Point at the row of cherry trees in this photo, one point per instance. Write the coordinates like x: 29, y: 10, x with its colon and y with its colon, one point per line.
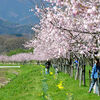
x: 22, y: 57
x: 67, y: 27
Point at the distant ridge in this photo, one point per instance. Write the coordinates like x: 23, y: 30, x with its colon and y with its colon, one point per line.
x: 13, y: 28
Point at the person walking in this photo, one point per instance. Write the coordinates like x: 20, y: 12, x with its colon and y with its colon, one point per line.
x: 76, y: 64
x: 94, y: 75
x: 47, y: 67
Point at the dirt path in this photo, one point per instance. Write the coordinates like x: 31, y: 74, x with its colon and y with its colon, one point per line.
x: 3, y: 81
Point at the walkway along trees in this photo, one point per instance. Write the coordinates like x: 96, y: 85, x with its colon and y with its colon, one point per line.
x: 68, y: 29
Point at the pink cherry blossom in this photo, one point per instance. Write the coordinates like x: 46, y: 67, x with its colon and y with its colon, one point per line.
x: 67, y: 27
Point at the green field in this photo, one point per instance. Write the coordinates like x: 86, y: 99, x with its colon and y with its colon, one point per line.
x: 32, y: 84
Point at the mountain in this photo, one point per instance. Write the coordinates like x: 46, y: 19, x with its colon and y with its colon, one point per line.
x: 10, y: 42
x: 14, y: 29
x: 17, y: 11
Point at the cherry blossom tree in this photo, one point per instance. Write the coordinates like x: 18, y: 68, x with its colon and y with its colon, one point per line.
x: 22, y: 57
x: 3, y: 58
x: 67, y: 26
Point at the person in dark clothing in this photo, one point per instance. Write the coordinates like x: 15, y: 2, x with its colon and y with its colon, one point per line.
x: 47, y: 67
x: 94, y: 75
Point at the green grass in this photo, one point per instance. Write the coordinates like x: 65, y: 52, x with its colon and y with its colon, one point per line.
x: 8, y: 73
x: 17, y: 51
x: 30, y: 84
x: 27, y: 85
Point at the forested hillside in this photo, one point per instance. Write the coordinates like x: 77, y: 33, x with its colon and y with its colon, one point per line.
x: 8, y: 43
x: 12, y: 28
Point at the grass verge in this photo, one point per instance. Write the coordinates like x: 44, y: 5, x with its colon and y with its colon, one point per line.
x: 32, y: 84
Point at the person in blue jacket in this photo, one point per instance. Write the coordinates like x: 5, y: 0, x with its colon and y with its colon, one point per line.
x: 94, y: 75
x: 76, y: 63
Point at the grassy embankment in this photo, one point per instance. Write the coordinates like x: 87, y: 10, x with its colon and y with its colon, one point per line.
x: 32, y: 84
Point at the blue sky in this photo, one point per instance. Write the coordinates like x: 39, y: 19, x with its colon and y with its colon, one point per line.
x: 17, y: 11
